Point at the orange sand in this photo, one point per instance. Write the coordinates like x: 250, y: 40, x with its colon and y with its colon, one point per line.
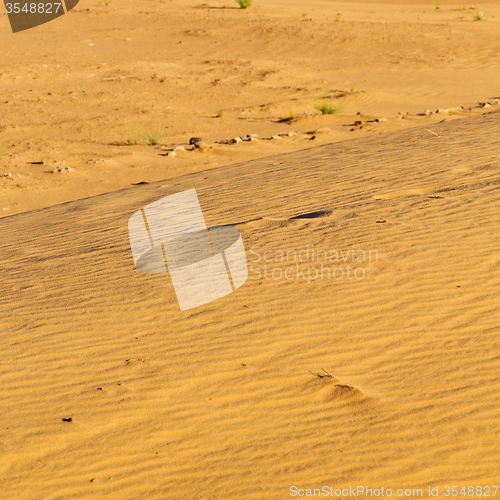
x: 387, y: 381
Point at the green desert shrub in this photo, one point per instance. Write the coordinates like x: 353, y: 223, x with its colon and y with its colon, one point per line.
x: 328, y: 108
x: 154, y: 137
x: 139, y: 130
x: 244, y: 3
x: 478, y: 15
x: 135, y: 132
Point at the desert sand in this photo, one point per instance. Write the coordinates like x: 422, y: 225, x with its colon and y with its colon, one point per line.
x: 74, y: 90
x: 387, y: 378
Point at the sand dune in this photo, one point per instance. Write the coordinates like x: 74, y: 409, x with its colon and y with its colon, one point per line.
x: 73, y: 90
x: 361, y: 351
x: 387, y: 381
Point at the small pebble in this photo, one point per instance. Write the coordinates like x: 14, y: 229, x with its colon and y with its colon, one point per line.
x: 194, y: 140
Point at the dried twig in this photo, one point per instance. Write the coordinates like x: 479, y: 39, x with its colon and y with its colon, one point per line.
x: 432, y: 132
x: 321, y: 375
